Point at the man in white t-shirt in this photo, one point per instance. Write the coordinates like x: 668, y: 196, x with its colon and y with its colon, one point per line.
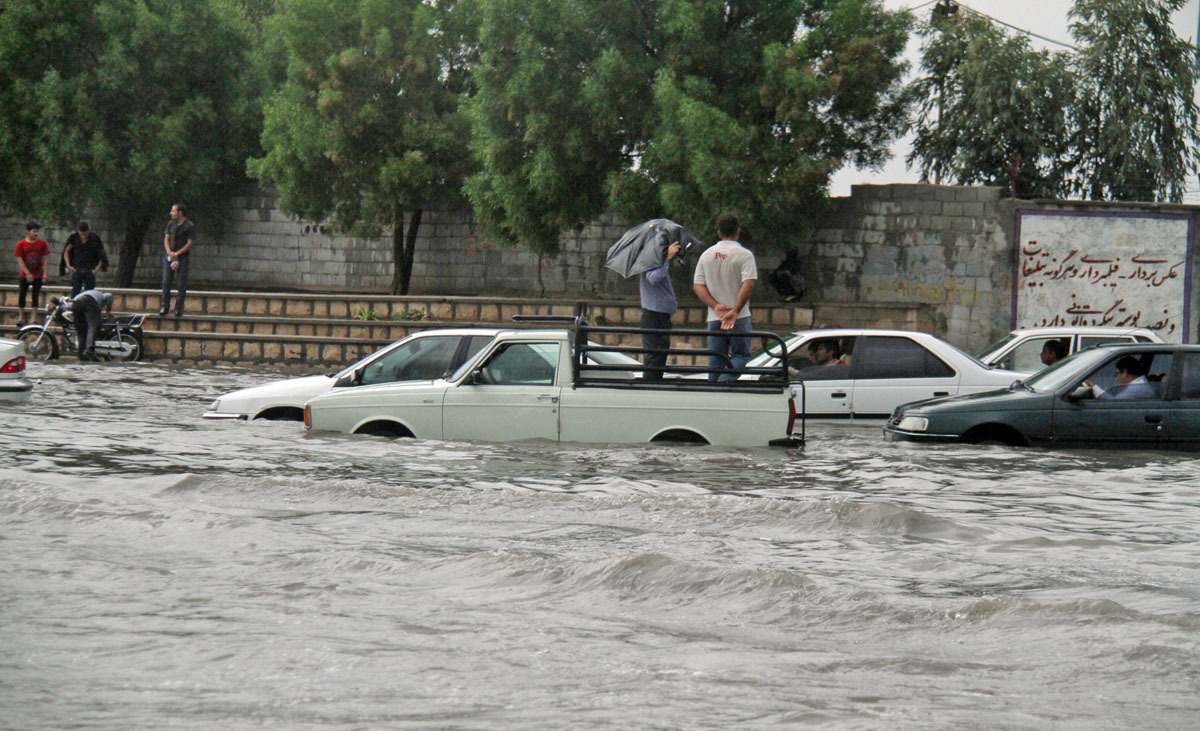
x: 725, y: 276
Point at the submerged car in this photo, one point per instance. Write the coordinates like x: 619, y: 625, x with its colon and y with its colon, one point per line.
x: 866, y: 373
x: 423, y: 356
x: 1021, y: 350
x: 15, y: 387
x: 1110, y: 396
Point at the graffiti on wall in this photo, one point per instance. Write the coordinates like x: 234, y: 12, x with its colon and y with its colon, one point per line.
x: 1103, y: 268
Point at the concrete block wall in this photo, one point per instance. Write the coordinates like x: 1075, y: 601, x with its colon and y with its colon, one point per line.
x: 934, y: 258
x: 942, y: 249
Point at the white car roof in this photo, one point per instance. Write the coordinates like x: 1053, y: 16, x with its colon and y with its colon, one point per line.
x: 1086, y: 330
x: 831, y: 332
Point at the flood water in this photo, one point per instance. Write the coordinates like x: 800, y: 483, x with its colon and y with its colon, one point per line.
x: 163, y: 571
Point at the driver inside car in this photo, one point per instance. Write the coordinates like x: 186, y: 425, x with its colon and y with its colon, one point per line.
x: 1131, y: 382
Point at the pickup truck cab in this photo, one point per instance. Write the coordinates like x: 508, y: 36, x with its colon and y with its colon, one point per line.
x: 547, y: 384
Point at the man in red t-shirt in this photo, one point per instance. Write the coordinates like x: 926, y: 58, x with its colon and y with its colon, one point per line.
x: 32, y: 254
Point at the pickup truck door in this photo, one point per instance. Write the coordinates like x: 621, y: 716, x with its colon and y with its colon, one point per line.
x: 512, y: 395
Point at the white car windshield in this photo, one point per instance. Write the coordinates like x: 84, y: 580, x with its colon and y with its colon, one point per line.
x: 995, y: 347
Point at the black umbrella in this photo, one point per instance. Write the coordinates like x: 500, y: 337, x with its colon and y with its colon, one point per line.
x: 644, y: 247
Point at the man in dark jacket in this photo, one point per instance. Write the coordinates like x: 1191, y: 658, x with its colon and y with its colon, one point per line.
x: 85, y: 257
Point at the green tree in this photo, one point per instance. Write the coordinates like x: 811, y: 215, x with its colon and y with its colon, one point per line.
x: 1135, y: 122
x: 677, y: 108
x: 138, y: 105
x: 993, y: 110
x: 543, y: 150
x: 366, y: 128
x: 758, y: 104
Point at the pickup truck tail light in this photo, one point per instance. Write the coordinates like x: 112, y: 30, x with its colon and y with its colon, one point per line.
x: 16, y: 365
x: 791, y: 415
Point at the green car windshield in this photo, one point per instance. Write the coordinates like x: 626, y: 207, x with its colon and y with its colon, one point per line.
x: 1067, y: 370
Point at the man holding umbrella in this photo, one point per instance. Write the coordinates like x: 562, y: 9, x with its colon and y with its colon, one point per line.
x: 658, y: 304
x: 647, y: 249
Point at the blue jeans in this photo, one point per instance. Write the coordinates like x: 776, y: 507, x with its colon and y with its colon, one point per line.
x: 737, y: 348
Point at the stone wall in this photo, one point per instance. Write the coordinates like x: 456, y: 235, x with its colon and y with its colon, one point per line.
x: 934, y: 246
x: 943, y: 255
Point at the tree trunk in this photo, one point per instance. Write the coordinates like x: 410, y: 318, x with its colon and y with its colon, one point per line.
x: 404, y: 247
x: 131, y: 248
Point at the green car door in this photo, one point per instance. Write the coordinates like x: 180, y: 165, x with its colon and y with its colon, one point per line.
x: 1122, y: 415
x: 1183, y: 413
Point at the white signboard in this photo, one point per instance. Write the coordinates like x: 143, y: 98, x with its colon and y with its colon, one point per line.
x: 1103, y: 268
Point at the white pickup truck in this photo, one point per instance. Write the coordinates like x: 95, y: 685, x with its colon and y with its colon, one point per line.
x: 540, y: 384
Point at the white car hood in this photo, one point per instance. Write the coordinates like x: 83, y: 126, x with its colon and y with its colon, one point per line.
x: 292, y: 392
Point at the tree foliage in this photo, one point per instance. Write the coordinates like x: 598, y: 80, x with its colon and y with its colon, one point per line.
x: 542, y: 144
x: 680, y: 109
x: 1115, y: 121
x: 1135, y: 122
x: 123, y: 105
x: 993, y: 111
x: 366, y: 127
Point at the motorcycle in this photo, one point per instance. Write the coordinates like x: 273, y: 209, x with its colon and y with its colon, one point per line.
x: 119, y: 338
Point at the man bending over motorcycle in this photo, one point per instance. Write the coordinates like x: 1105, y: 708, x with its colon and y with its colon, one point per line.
x: 86, y: 309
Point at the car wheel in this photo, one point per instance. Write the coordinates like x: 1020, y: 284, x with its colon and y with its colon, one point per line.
x: 996, y: 435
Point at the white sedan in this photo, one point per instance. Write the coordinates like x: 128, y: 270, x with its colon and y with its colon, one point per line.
x: 865, y: 373
x: 1021, y: 350
x: 423, y: 356
x: 14, y: 386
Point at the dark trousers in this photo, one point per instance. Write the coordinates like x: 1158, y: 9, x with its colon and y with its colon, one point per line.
x: 87, y: 322
x: 82, y: 279
x: 167, y: 279
x: 25, y: 286
x: 652, y: 320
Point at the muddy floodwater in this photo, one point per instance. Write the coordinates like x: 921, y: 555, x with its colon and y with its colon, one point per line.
x: 161, y: 571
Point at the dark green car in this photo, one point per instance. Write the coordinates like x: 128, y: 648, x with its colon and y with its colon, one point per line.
x: 1112, y: 396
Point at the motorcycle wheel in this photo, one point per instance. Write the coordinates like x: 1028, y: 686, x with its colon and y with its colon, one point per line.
x: 40, y: 344
x: 135, y: 344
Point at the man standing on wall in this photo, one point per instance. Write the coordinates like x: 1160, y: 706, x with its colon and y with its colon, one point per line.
x: 725, y: 276
x: 658, y: 304
x: 32, y: 253
x: 181, y: 234
x: 85, y: 258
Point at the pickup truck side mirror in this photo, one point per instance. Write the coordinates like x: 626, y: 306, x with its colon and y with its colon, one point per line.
x: 353, y: 378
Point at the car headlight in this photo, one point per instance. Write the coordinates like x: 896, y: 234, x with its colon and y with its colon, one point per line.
x: 913, y: 423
